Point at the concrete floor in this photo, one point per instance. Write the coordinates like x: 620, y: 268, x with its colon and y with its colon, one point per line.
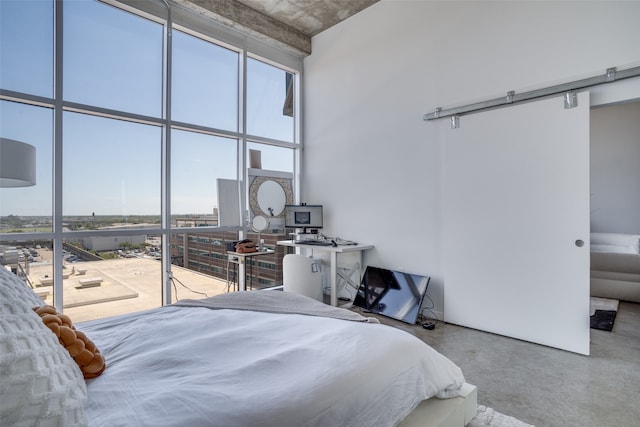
x: 545, y: 386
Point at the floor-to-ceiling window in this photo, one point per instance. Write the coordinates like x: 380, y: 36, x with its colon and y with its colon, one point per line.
x: 135, y: 118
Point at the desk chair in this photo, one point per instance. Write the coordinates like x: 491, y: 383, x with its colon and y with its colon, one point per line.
x: 302, y: 275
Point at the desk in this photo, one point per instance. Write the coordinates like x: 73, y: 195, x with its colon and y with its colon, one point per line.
x: 333, y: 259
x: 241, y: 259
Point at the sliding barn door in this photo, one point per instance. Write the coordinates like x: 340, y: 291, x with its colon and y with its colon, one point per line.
x: 516, y: 223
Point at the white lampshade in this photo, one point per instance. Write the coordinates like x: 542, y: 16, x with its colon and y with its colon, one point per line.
x: 17, y: 163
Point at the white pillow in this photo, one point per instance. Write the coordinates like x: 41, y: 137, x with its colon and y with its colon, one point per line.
x: 40, y: 384
x: 627, y: 243
x: 612, y: 249
x: 22, y: 290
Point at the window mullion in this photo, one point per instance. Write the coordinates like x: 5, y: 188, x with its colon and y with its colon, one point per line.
x: 57, y: 155
x: 166, y: 165
x: 242, y: 146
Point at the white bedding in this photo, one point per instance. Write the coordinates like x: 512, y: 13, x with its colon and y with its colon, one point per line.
x: 193, y: 366
x: 615, y: 242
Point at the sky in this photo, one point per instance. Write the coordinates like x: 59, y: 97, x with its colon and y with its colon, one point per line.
x: 113, y: 59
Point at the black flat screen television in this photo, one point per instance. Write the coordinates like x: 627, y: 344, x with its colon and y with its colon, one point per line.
x: 392, y: 293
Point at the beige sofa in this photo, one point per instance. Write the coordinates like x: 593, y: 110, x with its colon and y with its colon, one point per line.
x: 615, y: 266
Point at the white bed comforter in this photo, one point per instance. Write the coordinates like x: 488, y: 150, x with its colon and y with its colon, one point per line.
x: 194, y: 366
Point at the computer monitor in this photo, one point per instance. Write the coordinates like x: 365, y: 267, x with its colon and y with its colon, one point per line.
x: 303, y: 216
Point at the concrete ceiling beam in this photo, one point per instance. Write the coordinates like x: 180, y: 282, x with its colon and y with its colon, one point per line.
x: 252, y: 22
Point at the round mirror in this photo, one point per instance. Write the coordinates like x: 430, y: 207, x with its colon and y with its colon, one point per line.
x: 259, y: 223
x: 271, y: 198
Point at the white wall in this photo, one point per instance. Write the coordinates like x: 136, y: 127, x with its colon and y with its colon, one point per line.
x: 615, y: 168
x: 371, y: 159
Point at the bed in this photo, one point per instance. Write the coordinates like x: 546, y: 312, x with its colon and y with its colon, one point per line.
x: 266, y: 358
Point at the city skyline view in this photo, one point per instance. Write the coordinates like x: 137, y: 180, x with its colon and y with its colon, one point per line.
x: 132, y: 119
x: 111, y: 126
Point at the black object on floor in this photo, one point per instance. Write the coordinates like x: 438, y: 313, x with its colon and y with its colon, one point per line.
x: 603, y: 320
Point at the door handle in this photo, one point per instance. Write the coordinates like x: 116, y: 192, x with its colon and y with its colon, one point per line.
x: 579, y: 243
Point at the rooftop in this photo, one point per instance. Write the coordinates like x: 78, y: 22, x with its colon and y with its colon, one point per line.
x: 126, y: 285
